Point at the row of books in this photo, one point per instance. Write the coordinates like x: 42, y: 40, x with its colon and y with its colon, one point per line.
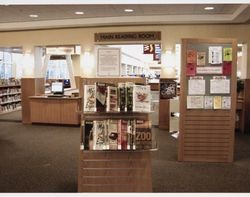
x: 11, y: 81
x: 10, y: 107
x: 12, y: 98
x: 10, y: 91
x: 116, y: 134
x: 125, y: 97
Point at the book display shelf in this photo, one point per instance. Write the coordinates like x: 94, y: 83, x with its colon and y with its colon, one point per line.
x: 207, y: 100
x: 10, y: 95
x: 116, y: 137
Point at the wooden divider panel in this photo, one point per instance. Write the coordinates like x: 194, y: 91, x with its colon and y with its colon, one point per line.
x: 206, y: 135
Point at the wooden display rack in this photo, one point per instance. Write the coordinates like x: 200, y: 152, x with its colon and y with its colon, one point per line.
x: 207, y: 135
x: 114, y: 171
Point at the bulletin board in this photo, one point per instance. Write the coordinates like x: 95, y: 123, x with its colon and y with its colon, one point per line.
x: 207, y: 100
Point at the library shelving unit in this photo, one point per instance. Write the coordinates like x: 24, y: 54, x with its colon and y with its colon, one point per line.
x: 207, y: 100
x: 10, y: 96
x: 114, y: 170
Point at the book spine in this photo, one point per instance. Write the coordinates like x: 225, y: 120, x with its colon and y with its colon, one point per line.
x: 121, y: 97
x: 129, y: 97
x: 119, y: 139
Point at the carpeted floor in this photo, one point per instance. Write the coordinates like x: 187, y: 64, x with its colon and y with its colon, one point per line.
x: 40, y: 158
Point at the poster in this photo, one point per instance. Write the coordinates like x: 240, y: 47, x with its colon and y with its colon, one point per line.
x: 215, y: 55
x: 196, y: 87
x: 109, y: 62
x: 195, y: 102
x: 191, y: 70
x: 220, y: 86
x: 226, y: 102
x: 168, y: 89
x: 227, y: 68
x: 201, y: 58
x: 217, y: 102
x: 227, y: 54
x: 191, y: 56
x: 208, y: 102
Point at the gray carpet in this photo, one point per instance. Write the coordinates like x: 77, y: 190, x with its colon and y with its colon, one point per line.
x: 15, y: 116
x: 39, y: 158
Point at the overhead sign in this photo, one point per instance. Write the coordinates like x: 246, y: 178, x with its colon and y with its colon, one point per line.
x: 128, y: 36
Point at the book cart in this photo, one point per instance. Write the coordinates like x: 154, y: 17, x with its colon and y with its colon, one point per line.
x: 114, y: 170
x: 207, y: 100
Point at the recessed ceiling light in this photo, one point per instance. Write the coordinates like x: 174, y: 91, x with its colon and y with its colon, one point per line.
x: 79, y: 13
x: 33, y: 15
x: 209, y: 8
x: 128, y: 10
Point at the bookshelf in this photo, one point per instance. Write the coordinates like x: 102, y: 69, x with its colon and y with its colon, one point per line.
x: 207, y: 121
x: 113, y: 170
x: 10, y: 95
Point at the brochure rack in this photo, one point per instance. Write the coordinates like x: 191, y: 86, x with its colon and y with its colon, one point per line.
x: 114, y: 170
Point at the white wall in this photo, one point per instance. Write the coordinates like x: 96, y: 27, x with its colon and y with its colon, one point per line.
x: 171, y: 34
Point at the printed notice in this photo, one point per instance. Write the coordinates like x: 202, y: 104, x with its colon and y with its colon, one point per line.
x: 226, y: 102
x: 196, y: 87
x: 220, y: 86
x: 109, y: 61
x: 195, y: 102
x: 201, y: 58
x: 215, y: 55
x: 208, y: 102
x: 217, y: 102
x: 227, y: 54
x: 191, y: 56
x: 209, y: 70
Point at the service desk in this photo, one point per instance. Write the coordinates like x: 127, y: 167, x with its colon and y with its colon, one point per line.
x: 55, y: 110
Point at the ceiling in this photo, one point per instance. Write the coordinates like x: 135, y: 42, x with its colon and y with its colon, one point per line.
x: 16, y: 17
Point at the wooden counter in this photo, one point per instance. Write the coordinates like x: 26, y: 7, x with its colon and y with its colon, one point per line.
x: 55, y: 110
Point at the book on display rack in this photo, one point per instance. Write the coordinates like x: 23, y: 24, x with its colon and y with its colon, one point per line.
x: 116, y: 133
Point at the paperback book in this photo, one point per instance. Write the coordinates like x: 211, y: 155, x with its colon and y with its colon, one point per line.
x: 141, y: 98
x: 88, y: 135
x: 99, y: 135
x: 112, y: 99
x: 129, y: 96
x: 101, y: 94
x: 89, y: 103
x: 124, y: 131
x: 121, y: 97
x: 143, y: 135
x: 112, y: 127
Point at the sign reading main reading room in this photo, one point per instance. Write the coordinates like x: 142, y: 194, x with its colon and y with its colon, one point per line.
x: 128, y: 36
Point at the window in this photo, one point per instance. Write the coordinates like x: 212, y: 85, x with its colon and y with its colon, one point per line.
x: 57, y: 69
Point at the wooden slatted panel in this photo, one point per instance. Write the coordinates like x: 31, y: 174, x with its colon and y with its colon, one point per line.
x: 115, y: 171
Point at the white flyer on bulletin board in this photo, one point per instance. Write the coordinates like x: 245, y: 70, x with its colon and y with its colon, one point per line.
x: 215, y: 55
x: 226, y: 102
x: 196, y: 87
x: 195, y: 102
x: 220, y: 86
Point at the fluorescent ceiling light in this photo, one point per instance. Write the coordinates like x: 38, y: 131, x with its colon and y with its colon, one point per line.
x: 33, y: 15
x: 79, y: 13
x: 209, y: 8
x: 128, y: 10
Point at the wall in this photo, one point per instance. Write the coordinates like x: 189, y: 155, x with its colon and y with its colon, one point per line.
x: 171, y: 34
